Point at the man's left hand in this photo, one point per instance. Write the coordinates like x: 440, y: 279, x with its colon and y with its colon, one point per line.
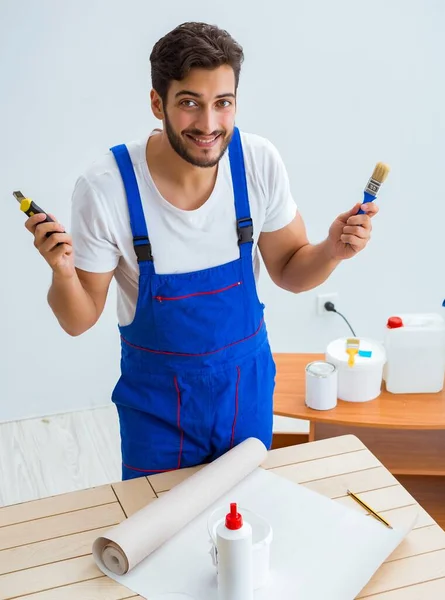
x: 350, y: 232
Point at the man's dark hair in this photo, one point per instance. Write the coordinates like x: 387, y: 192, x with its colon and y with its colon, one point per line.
x: 192, y: 45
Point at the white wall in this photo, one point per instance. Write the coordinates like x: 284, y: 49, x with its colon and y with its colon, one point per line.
x: 336, y: 86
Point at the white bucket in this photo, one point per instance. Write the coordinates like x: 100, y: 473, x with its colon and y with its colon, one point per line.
x: 363, y: 381
x: 261, y: 540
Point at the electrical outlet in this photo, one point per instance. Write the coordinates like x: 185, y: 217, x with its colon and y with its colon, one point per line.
x: 321, y: 301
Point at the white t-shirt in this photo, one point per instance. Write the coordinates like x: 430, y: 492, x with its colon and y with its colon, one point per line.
x: 182, y: 241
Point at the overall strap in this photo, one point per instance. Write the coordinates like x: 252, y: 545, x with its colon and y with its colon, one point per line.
x: 244, y: 223
x: 141, y: 243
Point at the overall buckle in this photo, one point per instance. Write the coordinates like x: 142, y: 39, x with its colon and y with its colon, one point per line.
x: 245, y: 232
x: 142, y: 247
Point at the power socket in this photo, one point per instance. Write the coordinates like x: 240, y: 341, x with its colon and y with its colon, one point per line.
x: 321, y: 301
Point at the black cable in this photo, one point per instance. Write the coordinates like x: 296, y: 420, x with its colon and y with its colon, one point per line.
x: 330, y: 307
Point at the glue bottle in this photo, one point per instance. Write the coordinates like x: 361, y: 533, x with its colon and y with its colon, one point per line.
x: 234, y: 547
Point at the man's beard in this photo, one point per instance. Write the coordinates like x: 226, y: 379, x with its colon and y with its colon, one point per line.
x: 180, y: 148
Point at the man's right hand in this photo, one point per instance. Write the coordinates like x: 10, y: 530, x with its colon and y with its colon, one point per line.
x: 76, y: 297
x: 56, y: 249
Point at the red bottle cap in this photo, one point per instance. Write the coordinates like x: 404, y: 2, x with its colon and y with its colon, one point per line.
x: 394, y: 323
x: 233, y: 519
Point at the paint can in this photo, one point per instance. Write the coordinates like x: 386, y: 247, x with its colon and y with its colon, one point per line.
x: 321, y: 385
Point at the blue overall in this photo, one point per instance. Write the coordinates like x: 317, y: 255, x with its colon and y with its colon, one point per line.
x: 197, y: 373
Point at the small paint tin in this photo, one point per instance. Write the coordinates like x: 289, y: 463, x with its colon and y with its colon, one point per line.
x: 321, y: 385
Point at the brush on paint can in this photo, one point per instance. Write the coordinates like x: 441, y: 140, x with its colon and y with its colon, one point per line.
x: 352, y: 348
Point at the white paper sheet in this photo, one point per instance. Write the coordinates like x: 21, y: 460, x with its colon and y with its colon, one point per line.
x: 321, y: 549
x: 123, y: 547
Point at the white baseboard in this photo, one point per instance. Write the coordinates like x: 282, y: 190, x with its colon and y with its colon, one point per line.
x: 289, y: 425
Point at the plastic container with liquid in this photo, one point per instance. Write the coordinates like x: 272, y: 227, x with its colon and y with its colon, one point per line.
x: 235, y: 565
x: 415, y: 349
x: 262, y: 536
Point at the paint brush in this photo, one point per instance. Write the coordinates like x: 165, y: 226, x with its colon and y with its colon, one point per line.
x: 372, y: 188
x: 352, y: 348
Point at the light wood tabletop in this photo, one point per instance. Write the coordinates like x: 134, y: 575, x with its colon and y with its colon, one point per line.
x: 45, y: 545
x: 405, y: 431
x: 393, y: 411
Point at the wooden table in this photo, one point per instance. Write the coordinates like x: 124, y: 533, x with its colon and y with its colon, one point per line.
x: 405, y: 431
x: 45, y: 545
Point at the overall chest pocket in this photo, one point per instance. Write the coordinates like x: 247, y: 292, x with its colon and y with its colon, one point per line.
x: 200, y: 316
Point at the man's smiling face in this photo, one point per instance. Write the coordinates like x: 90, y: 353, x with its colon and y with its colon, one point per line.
x: 199, y: 115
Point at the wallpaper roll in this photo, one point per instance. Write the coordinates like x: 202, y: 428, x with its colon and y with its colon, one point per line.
x: 124, y: 546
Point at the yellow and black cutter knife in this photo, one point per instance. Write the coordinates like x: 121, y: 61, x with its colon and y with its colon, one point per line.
x: 30, y: 208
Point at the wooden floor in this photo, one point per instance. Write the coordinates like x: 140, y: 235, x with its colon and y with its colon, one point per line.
x: 63, y: 453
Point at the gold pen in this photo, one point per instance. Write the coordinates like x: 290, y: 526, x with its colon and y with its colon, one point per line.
x: 369, y: 509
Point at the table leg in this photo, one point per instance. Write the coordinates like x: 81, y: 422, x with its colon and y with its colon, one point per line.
x: 312, y: 432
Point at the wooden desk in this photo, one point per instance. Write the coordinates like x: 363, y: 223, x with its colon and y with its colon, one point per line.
x: 405, y: 431
x: 45, y: 545
x: 388, y: 411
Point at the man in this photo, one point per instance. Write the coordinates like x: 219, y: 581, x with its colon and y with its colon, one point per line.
x: 178, y: 219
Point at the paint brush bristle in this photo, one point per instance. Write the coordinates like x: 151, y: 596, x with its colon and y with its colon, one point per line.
x: 380, y: 172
